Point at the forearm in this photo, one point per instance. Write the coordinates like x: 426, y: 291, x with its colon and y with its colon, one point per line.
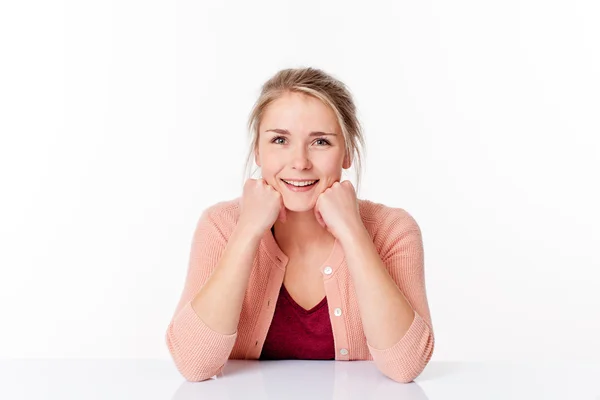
x: 219, y: 302
x: 385, y: 313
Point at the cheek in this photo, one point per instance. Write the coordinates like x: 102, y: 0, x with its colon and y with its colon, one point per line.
x: 331, y: 167
x: 273, y: 160
x: 268, y: 164
x: 270, y: 168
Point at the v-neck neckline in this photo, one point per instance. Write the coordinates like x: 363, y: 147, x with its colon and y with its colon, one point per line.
x: 288, y: 296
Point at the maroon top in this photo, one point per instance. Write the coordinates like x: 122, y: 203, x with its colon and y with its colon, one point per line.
x: 296, y: 333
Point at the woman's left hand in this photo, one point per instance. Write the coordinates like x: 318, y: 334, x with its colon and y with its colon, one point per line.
x: 337, y: 210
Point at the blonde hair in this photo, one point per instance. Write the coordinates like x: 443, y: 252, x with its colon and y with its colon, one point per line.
x: 313, y: 82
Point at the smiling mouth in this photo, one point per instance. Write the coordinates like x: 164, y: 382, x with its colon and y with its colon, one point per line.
x: 301, y: 184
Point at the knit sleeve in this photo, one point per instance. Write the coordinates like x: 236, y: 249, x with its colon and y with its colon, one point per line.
x: 198, y: 351
x: 402, y: 253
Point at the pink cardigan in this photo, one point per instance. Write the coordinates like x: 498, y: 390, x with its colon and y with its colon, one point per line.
x: 200, y: 352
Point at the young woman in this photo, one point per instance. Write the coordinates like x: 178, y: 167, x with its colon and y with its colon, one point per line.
x: 298, y: 267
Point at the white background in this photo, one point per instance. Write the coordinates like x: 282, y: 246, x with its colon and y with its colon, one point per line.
x: 122, y: 121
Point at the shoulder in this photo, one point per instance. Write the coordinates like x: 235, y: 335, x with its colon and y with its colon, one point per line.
x: 394, y: 230
x: 221, y: 216
x: 225, y: 211
x: 379, y: 215
x: 387, y: 223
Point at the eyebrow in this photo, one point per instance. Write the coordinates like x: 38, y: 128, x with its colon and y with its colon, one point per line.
x: 286, y: 132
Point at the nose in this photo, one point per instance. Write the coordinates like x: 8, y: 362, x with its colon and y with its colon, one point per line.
x: 300, y: 159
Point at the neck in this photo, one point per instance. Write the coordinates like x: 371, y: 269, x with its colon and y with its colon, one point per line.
x: 300, y: 232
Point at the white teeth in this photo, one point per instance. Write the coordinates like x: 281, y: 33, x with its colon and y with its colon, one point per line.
x: 305, y: 183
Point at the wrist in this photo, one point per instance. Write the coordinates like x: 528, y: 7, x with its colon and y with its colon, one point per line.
x: 355, y: 234
x: 248, y: 231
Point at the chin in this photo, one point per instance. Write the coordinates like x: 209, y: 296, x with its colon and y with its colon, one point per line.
x: 298, y: 206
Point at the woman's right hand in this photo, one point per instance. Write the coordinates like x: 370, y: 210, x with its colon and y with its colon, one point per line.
x: 261, y: 206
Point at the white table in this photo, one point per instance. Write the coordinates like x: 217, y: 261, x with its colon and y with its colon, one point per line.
x: 282, y: 380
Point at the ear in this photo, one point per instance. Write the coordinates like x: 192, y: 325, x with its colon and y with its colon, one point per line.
x: 256, y: 157
x: 347, y: 161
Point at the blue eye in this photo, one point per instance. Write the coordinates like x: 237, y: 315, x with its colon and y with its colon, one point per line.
x: 275, y: 139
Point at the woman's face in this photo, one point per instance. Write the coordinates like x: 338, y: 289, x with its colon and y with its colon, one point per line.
x: 300, y: 140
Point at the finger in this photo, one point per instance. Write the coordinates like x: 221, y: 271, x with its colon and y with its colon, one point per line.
x: 319, y: 217
x: 321, y: 220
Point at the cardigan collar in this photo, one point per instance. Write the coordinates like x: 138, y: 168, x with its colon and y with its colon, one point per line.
x: 333, y: 261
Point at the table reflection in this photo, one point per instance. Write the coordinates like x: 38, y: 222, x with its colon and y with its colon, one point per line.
x: 299, y: 379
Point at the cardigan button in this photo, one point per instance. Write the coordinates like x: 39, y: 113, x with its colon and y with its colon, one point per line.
x: 337, y: 312
x: 327, y: 270
x: 344, y: 352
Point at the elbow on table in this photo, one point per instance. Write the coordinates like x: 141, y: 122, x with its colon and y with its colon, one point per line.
x: 404, y: 375
x: 198, y: 376
x: 192, y: 368
x: 406, y: 371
